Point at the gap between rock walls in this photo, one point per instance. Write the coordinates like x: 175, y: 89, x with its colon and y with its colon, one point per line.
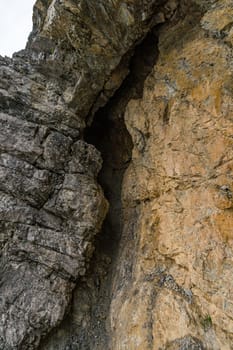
x: 86, y: 325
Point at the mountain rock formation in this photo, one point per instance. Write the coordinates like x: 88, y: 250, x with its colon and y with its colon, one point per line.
x: 116, y: 178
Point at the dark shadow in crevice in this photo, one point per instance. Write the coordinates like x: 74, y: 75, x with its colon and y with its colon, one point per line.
x: 108, y: 133
x: 86, y: 326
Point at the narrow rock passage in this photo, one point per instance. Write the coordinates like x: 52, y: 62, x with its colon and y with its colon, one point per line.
x: 51, y: 204
x: 88, y: 326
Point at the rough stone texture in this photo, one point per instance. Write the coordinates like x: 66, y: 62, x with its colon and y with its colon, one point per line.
x: 161, y: 275
x: 88, y: 43
x: 51, y: 205
x: 177, y: 193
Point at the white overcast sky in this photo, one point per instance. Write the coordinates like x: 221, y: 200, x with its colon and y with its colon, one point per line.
x: 15, y: 25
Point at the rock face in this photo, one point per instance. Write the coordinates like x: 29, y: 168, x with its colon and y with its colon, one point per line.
x: 147, y: 85
x: 178, y: 190
x: 51, y: 207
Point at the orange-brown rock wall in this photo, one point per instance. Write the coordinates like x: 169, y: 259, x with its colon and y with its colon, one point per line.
x: 177, y: 193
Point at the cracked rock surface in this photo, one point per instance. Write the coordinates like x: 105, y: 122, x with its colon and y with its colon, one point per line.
x: 51, y: 205
x: 116, y: 178
x: 177, y: 192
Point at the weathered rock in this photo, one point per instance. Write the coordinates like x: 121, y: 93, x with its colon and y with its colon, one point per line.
x: 177, y: 190
x: 51, y: 207
x: 51, y: 204
x: 161, y: 277
x: 86, y: 43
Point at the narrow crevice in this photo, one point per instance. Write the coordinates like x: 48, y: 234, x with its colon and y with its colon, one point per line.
x: 86, y: 326
x: 108, y: 132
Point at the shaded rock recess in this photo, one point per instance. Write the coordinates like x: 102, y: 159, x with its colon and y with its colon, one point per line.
x: 116, y: 178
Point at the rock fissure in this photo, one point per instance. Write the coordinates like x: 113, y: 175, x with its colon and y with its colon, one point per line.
x: 147, y: 85
x: 109, y: 135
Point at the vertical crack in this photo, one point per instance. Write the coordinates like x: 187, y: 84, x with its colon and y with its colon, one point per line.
x: 87, y: 326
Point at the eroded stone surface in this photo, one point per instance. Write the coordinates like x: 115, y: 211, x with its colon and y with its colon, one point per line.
x: 170, y: 282
x: 177, y: 193
x: 94, y: 39
x: 51, y: 204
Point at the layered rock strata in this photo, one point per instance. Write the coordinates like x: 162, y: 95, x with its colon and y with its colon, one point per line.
x: 161, y: 274
x: 170, y: 284
x: 51, y: 205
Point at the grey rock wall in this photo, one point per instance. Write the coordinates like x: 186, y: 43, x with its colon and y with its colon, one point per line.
x: 51, y: 208
x: 51, y: 204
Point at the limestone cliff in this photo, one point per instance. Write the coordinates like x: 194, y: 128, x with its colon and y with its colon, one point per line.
x: 116, y: 177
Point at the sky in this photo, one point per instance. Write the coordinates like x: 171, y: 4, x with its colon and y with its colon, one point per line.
x: 15, y: 25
